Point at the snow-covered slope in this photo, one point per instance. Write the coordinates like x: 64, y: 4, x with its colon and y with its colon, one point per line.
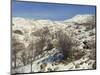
x: 81, y: 19
x: 27, y: 31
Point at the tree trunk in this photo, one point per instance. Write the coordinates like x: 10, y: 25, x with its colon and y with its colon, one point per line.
x: 31, y: 64
x: 15, y: 62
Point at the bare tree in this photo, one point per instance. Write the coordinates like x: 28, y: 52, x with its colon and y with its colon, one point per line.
x: 16, y: 47
x: 24, y: 58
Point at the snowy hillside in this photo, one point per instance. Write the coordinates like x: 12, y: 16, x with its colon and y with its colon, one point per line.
x: 45, y: 45
x: 81, y: 19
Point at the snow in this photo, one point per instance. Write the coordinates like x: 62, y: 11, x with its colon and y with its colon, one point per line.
x: 82, y: 19
x: 27, y: 26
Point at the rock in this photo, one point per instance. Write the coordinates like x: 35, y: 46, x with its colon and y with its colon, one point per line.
x: 89, y: 44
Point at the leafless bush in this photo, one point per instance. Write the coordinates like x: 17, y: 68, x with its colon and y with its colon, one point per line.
x: 43, y: 35
x: 40, y: 45
x: 66, y: 43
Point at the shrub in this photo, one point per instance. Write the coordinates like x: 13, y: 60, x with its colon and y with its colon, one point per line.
x: 66, y: 43
x: 40, y: 45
